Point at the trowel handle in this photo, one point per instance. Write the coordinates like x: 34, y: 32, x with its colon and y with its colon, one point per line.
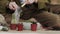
x: 23, y: 5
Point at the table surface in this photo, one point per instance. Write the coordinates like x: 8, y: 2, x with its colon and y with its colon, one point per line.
x: 30, y: 32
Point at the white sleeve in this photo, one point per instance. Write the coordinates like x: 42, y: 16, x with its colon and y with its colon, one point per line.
x: 23, y: 1
x: 31, y: 1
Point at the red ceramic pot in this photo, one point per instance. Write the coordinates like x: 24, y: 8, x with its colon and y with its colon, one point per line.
x: 33, y: 27
x: 20, y: 27
x: 13, y: 26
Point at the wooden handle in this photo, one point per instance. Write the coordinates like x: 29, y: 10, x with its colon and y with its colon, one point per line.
x: 23, y: 5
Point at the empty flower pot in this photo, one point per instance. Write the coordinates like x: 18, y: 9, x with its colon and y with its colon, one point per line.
x: 13, y: 26
x: 20, y: 27
x: 33, y: 27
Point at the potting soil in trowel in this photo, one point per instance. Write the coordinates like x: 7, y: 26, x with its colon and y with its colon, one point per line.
x: 16, y: 15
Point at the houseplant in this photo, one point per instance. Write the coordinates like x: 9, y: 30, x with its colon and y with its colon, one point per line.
x: 34, y: 26
x: 15, y: 18
x: 14, y: 21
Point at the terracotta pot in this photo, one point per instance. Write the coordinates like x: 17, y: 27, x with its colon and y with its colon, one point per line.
x: 13, y: 26
x: 33, y: 27
x: 20, y: 27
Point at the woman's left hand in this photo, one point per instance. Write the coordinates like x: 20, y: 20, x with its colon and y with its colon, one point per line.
x: 13, y: 6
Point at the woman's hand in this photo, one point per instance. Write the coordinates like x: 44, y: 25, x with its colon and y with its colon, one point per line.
x: 13, y: 6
